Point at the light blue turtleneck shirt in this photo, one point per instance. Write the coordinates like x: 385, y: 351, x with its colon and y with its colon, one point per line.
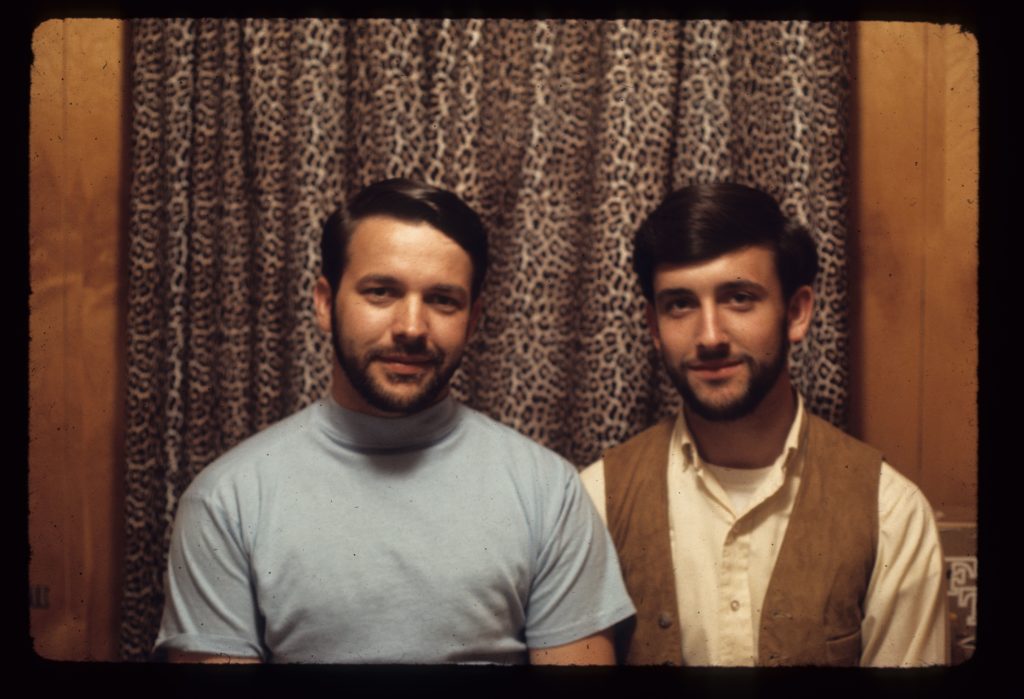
x: 339, y: 537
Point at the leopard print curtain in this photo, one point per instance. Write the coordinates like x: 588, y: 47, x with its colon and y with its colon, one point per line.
x: 562, y: 134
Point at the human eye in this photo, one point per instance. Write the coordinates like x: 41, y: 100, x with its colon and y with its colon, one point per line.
x: 677, y: 305
x: 741, y: 299
x: 378, y: 294
x: 446, y: 303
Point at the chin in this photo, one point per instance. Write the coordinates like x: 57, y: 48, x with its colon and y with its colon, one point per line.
x: 418, y: 398
x: 720, y: 410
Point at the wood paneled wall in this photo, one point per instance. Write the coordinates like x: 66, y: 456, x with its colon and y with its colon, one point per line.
x: 913, y: 284
x: 76, y: 348
x: 914, y: 279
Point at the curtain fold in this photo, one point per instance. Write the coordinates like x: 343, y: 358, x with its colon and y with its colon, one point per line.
x: 563, y: 135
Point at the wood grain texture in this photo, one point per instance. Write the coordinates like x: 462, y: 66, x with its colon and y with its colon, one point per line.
x: 914, y: 256
x: 887, y: 269
x: 76, y: 327
x: 950, y: 346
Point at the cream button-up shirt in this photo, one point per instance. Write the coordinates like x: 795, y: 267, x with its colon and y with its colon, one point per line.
x: 728, y: 557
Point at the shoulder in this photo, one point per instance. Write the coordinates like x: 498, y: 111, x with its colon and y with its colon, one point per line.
x: 899, y: 498
x: 660, y: 430
x: 845, y: 462
x: 259, y: 456
x: 638, y: 448
x: 500, y: 440
x: 834, y: 437
x: 540, y: 480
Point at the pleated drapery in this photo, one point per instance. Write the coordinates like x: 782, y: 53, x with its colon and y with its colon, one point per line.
x: 563, y: 135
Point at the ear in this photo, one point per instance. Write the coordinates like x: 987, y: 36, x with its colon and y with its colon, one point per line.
x: 475, y: 312
x: 798, y: 315
x: 651, y: 314
x: 322, y: 298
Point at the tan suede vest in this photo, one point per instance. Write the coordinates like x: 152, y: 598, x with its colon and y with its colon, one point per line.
x: 813, y: 605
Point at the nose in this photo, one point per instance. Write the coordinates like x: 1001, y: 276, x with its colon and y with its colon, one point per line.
x: 410, y: 320
x: 710, y: 333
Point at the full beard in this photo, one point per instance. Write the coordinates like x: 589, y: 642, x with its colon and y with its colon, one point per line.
x: 357, y: 369
x: 762, y: 379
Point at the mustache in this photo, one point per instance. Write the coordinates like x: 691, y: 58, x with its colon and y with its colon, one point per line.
x: 713, y: 353
x: 417, y: 350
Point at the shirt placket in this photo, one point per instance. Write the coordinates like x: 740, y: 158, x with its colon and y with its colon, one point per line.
x: 734, y: 645
x: 735, y: 605
x: 732, y: 637
x: 734, y: 598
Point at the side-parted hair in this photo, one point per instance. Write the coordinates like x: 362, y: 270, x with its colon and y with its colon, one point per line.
x: 412, y: 202
x: 704, y: 221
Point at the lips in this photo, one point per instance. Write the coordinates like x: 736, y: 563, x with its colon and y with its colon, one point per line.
x: 407, y: 364
x: 715, y: 368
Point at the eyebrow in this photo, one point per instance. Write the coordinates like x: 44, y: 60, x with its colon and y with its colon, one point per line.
x: 453, y: 289
x: 738, y: 285
x: 673, y: 293
x: 378, y: 279
x: 742, y: 285
x: 388, y: 280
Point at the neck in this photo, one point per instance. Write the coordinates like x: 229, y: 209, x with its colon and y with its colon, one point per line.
x: 752, y: 441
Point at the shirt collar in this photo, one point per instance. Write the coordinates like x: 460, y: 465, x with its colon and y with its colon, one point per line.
x: 691, y: 458
x: 372, y: 433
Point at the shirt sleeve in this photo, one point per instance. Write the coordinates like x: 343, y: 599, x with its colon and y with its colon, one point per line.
x: 905, y: 604
x: 209, y: 606
x: 577, y: 589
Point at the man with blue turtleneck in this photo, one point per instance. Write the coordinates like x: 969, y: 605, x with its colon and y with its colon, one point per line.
x: 388, y: 523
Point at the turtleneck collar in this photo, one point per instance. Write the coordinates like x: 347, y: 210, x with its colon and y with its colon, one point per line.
x: 371, y: 433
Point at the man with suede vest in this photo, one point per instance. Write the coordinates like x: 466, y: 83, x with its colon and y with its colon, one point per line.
x: 749, y: 531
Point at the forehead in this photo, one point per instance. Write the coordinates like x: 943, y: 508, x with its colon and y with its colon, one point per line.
x: 406, y: 250
x: 755, y: 263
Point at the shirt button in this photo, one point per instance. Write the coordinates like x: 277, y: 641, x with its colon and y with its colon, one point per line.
x: 664, y: 620
x: 734, y: 605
